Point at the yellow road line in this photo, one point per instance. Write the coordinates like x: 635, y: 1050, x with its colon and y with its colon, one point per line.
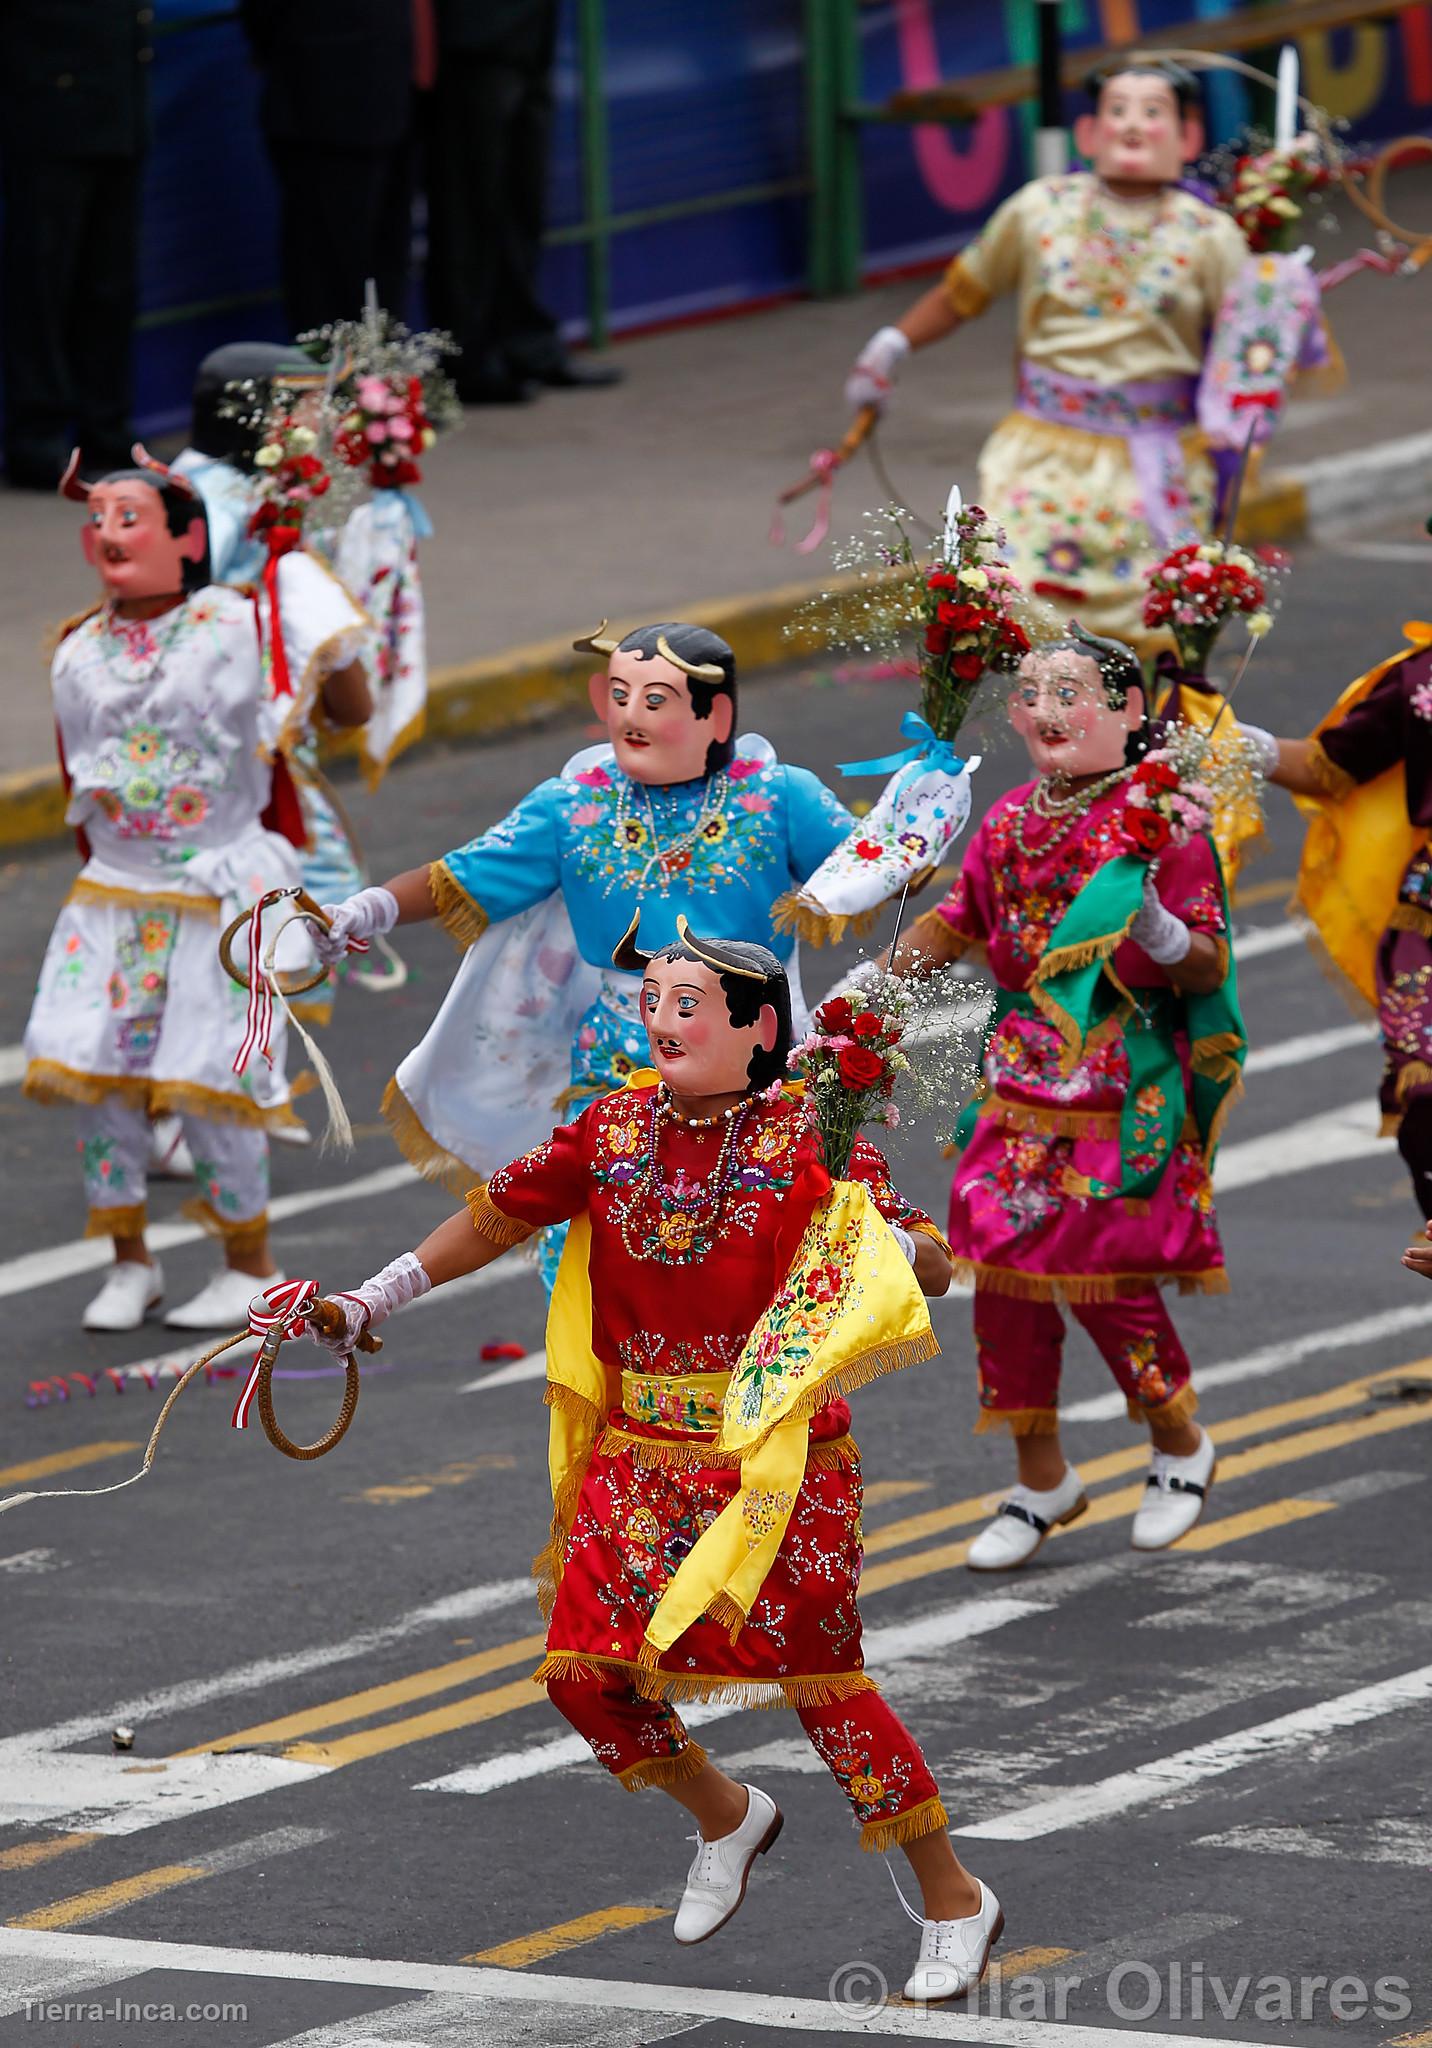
x: 25, y: 1855
x: 1274, y: 1514
x: 1032, y: 1958
x: 882, y: 1490
x: 553, y: 1941
x: 61, y: 1461
x: 482, y: 1706
x: 1279, y: 1416
x: 109, y: 1898
x: 1276, y: 891
x: 1108, y: 1507
x: 1419, y: 2040
x: 377, y: 1699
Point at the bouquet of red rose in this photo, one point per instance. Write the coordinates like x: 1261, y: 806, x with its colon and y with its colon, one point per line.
x: 1162, y: 807
x: 386, y: 429
x: 1197, y: 589
x: 1268, y: 193
x: 970, y: 626
x: 292, y: 477
x: 850, y: 1061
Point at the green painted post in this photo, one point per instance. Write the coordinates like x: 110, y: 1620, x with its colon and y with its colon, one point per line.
x: 820, y: 143
x: 847, y: 226
x: 596, y: 191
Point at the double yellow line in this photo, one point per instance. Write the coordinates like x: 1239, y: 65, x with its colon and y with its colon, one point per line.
x: 291, y: 1730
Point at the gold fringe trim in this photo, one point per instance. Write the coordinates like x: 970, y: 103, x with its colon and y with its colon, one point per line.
x: 105, y: 898
x: 728, y: 1614
x: 1180, y: 1407
x: 1416, y: 1074
x: 246, y: 1235
x: 699, y: 1453
x: 555, y: 1395
x: 796, y: 913
x: 432, y: 1160
x: 1389, y: 1125
x: 48, y: 1081
x: 1018, y: 1421
x: 967, y: 296
x: 653, y: 1683
x: 373, y: 769
x: 1065, y: 959
x: 688, y: 1763
x: 130, y: 1221
x: 461, y: 916
x: 490, y: 1222
x: 1059, y: 1123
x: 578, y: 1091
x: 928, y: 1818
x: 1409, y: 917
x: 1081, y: 1287
x: 859, y: 1372
x: 548, y: 1564
x: 316, y: 1013
x: 1333, y: 781
x: 932, y: 1231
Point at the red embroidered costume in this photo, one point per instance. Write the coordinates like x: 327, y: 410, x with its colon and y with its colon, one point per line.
x: 692, y: 1232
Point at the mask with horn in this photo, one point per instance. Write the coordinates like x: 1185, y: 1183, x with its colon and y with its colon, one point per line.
x: 667, y: 700
x: 146, y: 533
x: 717, y: 1011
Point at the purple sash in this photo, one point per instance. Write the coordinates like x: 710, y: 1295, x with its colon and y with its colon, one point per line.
x: 1148, y: 416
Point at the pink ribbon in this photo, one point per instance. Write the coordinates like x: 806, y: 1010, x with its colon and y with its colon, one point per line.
x: 286, y: 1303
x: 824, y: 464
x: 1365, y: 259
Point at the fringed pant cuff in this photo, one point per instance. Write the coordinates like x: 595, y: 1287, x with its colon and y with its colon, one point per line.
x: 928, y: 1818
x: 1019, y: 1421
x: 664, y: 1770
x: 649, y: 1681
x: 1179, y: 1408
x: 129, y: 1221
x: 239, y: 1234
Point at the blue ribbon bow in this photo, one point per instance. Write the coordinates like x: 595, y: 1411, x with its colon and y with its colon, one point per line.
x: 924, y: 747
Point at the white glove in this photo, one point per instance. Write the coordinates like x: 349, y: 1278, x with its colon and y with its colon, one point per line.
x: 870, y: 381
x: 371, y: 910
x: 1264, y: 744
x: 904, y: 1240
x: 403, y: 1281
x: 1164, y: 937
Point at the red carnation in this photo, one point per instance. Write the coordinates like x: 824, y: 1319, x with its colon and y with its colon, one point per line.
x: 1148, y: 831
x: 867, y: 1025
x: 1156, y: 775
x: 942, y: 579
x: 937, y: 639
x: 860, y: 1067
x: 968, y: 667
x: 834, y: 1016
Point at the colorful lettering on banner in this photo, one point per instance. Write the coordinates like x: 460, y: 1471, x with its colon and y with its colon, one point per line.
x: 1349, y: 88
x: 964, y: 180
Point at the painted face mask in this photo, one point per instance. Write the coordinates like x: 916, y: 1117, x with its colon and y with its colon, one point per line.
x: 127, y: 538
x: 1060, y: 708
x: 645, y: 703
x: 695, y: 1047
x: 1137, y: 135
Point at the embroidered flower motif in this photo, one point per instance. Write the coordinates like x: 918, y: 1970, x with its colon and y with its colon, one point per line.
x: 869, y: 849
x: 587, y: 814
x: 145, y: 744
x: 741, y: 767
x: 118, y: 990
x: 187, y: 806
x: 593, y: 778
x: 714, y: 830
x: 624, y: 1139
x: 142, y: 793
x: 866, y: 1789
x: 631, y: 832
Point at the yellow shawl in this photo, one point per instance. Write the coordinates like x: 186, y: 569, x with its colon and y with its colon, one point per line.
x: 848, y: 1310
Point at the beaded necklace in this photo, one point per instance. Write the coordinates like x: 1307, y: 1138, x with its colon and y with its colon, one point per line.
x: 1063, y: 813
x: 676, y: 857
x: 676, y: 1223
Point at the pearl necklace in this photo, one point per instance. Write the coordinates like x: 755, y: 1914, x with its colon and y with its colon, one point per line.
x: 697, y: 1123
x: 661, y: 857
x: 1060, y: 811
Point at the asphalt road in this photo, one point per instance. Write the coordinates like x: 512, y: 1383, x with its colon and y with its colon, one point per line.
x: 1199, y: 1782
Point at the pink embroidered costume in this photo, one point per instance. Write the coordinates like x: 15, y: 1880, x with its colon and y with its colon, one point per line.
x: 1033, y: 1213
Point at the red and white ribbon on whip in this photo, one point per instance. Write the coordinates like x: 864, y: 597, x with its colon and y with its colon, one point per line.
x: 275, y: 1314
x: 258, y: 1018
x: 265, y: 984
x: 821, y: 474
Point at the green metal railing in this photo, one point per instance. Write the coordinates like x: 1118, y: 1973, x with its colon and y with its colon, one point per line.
x: 599, y: 226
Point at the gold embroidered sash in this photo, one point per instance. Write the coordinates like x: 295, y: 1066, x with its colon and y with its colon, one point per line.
x: 688, y: 1402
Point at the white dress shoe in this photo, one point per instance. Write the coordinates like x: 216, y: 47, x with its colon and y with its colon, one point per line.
x: 1025, y: 1518
x: 1174, y: 1497
x: 222, y: 1304
x: 130, y: 1290
x: 716, y: 1881
x: 954, y: 1954
x: 169, y: 1154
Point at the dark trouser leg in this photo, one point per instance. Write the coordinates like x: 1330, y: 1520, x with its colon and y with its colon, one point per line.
x: 529, y: 333
x: 102, y: 315
x: 1414, y: 1142
x: 41, y: 236
x: 339, y: 215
